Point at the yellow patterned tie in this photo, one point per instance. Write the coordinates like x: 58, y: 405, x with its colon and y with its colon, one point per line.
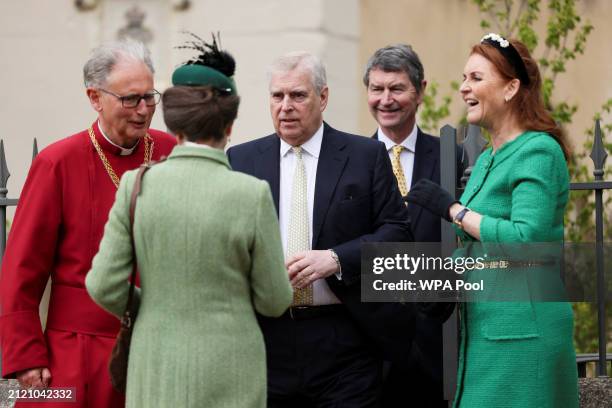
x: 397, y: 170
x: 298, y: 239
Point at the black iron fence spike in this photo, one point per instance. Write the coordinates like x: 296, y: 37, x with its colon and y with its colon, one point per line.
x: 598, y: 153
x: 35, y: 149
x: 4, y: 171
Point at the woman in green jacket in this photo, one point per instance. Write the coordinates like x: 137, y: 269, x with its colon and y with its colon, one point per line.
x: 512, y: 354
x: 209, y: 254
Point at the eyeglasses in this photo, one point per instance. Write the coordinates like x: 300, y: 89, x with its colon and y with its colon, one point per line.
x: 132, y: 101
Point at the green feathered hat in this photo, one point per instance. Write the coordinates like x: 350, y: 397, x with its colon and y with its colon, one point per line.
x: 212, y: 67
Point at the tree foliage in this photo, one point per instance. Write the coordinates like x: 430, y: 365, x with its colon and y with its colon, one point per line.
x: 432, y: 114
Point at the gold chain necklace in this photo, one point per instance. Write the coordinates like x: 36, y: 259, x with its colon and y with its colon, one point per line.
x: 148, y: 145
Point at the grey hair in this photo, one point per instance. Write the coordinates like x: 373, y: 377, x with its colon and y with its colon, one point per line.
x: 397, y: 58
x: 301, y: 59
x: 104, y: 57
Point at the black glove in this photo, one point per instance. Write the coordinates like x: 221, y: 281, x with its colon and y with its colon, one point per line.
x: 432, y: 197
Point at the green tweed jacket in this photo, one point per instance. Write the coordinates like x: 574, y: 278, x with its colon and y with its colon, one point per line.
x: 518, y: 354
x: 209, y: 254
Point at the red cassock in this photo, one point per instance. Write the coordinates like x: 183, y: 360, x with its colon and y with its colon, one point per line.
x: 57, y: 228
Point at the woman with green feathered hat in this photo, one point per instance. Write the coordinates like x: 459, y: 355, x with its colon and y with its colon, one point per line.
x: 209, y: 253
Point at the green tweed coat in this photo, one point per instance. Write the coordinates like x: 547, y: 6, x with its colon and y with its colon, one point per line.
x: 209, y: 254
x: 518, y: 354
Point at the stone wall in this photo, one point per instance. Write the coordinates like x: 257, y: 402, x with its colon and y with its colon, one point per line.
x: 44, y: 45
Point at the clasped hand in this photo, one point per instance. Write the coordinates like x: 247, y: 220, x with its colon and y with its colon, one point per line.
x: 34, y: 377
x: 306, y: 267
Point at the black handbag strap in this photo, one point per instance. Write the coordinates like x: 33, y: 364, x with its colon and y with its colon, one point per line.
x: 127, y: 319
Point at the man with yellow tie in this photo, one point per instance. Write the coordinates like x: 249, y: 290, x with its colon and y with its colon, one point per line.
x: 396, y: 83
x: 332, y: 191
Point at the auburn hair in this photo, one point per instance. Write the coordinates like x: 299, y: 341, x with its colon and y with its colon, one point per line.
x: 528, y: 104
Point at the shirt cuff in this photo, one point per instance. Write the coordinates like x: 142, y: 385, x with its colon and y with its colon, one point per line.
x: 334, y: 255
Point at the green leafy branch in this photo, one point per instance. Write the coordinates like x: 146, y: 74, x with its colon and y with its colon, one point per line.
x: 432, y: 111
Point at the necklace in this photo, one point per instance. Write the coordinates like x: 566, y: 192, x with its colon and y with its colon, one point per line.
x: 148, y: 146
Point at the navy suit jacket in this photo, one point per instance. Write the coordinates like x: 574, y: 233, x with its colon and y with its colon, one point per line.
x: 356, y: 200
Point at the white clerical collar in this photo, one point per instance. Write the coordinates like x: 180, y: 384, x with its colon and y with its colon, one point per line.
x: 312, y: 146
x: 409, y: 142
x: 192, y: 144
x: 124, y: 151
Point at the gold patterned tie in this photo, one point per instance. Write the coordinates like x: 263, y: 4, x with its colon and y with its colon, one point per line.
x: 397, y: 170
x: 298, y: 239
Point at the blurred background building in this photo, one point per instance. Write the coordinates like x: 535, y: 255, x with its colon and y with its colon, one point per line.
x: 43, y: 45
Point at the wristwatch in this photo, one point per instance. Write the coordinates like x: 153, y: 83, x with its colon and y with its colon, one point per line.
x: 458, y: 220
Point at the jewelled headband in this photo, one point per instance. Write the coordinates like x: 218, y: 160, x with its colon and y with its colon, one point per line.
x: 510, y: 54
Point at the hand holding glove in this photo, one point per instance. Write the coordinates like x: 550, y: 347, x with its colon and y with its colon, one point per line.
x: 432, y: 197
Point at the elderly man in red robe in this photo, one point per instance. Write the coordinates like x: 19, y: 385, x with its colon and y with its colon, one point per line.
x: 57, y: 228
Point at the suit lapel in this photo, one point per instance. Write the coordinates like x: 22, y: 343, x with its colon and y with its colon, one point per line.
x: 268, y: 166
x: 332, y: 161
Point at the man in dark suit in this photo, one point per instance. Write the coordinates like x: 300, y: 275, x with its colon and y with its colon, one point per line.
x: 333, y: 191
x: 395, y: 84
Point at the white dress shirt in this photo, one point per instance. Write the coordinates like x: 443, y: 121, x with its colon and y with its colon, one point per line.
x: 322, y: 294
x: 407, y: 154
